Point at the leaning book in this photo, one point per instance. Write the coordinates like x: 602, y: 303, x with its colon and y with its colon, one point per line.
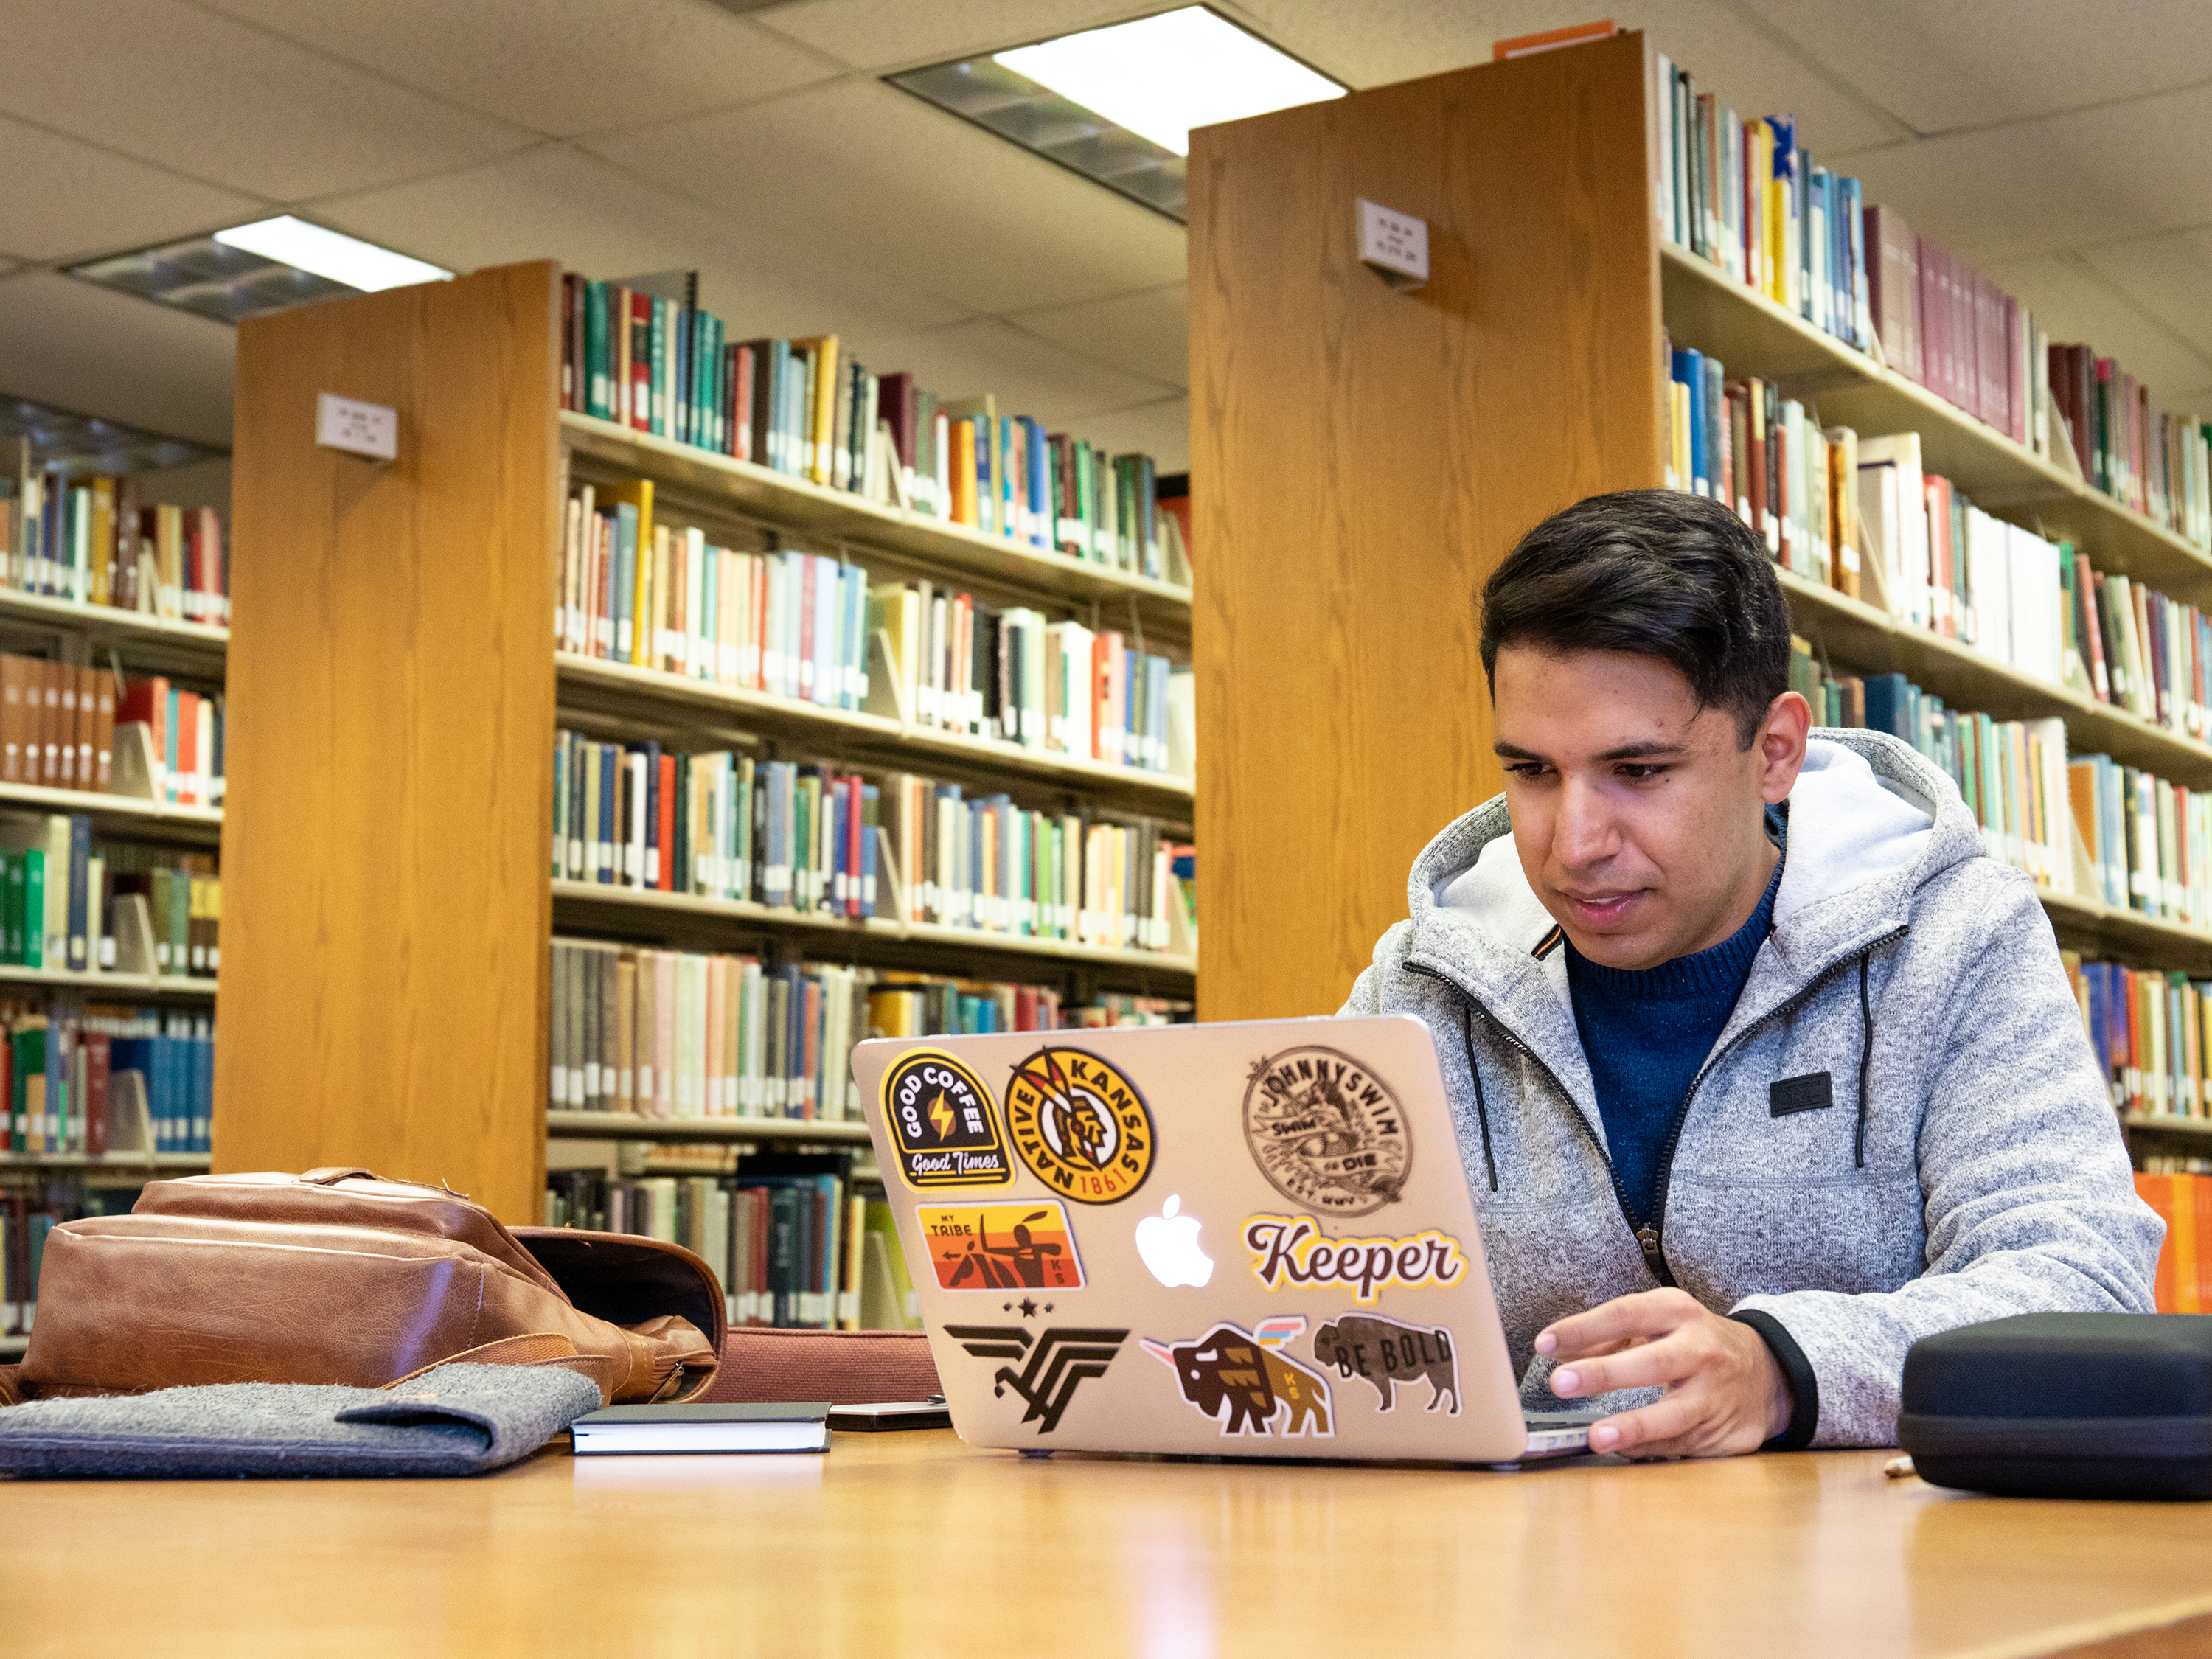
x: 695, y: 1428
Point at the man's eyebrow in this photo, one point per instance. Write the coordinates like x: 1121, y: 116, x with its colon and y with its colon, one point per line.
x: 1642, y: 751
x: 1506, y: 751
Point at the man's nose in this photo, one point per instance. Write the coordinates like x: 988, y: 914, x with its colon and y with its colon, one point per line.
x: 1584, y: 833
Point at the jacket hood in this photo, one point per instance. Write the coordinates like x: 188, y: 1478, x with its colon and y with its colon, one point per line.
x: 1871, y: 821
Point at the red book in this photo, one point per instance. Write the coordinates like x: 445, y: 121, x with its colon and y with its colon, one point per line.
x: 806, y: 603
x: 853, y: 827
x: 640, y: 362
x: 741, y: 403
x: 667, y: 828
x: 95, y: 1092
x: 186, y: 791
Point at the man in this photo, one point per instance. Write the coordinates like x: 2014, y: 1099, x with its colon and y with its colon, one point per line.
x: 1761, y: 1071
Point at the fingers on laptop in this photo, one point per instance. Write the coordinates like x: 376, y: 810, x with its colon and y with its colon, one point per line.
x: 1618, y: 1324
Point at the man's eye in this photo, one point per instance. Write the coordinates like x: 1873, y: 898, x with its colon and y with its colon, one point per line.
x: 1527, y: 769
x: 1639, y: 774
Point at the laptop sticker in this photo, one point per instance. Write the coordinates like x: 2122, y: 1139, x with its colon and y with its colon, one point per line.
x: 1384, y: 1353
x: 1079, y: 1125
x: 1326, y: 1133
x: 1001, y: 1246
x: 1291, y: 1250
x: 1054, y: 1362
x: 1249, y: 1382
x: 941, y: 1116
x: 1167, y: 1243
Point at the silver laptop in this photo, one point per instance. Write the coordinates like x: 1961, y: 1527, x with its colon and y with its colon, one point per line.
x: 1252, y: 1239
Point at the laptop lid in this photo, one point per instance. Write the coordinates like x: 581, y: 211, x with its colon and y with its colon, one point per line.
x: 1250, y: 1239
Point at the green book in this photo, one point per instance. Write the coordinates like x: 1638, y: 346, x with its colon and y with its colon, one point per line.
x: 179, y: 923
x: 11, y: 907
x: 33, y: 917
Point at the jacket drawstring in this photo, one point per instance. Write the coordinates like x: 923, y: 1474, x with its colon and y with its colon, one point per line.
x: 1482, y: 1107
x: 1865, y: 1056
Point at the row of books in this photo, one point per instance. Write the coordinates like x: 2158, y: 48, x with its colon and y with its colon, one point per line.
x: 61, y: 724
x: 679, y: 1033
x: 60, y: 1069
x: 2084, y: 825
x: 69, y: 901
x: 2150, y: 1031
x: 807, y: 838
x: 799, y: 625
x: 1746, y: 195
x: 87, y: 537
x: 786, y: 1236
x: 1019, y: 676
x: 2183, y: 1200
x: 27, y: 1215
x: 809, y: 409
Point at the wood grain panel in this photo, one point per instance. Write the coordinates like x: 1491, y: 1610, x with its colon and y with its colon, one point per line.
x: 1363, y: 459
x: 391, y: 698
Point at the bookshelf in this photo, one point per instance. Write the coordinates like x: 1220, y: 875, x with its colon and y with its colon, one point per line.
x: 1518, y: 379
x: 398, y: 690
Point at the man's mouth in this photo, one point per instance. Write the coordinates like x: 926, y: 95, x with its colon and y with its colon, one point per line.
x: 1600, y: 909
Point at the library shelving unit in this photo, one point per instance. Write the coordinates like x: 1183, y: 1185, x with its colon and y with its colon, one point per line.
x: 1366, y: 457
x: 395, y: 694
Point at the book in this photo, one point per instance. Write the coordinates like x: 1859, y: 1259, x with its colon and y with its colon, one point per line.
x: 732, y: 1427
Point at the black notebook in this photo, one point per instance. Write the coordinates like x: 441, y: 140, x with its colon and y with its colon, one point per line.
x: 732, y: 1428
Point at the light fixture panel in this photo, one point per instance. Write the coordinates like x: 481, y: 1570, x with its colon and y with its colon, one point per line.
x: 216, y: 277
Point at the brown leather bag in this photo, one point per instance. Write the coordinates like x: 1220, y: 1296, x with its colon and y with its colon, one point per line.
x: 336, y: 1276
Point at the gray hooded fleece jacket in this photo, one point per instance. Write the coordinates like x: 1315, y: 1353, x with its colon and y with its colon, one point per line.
x: 1901, y: 1129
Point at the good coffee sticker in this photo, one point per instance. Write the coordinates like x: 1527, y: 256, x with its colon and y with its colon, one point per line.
x: 946, y: 1128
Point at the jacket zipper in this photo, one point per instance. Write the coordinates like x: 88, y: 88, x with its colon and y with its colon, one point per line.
x: 1651, y: 1235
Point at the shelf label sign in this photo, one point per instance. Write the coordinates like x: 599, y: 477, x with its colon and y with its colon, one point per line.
x: 1394, y: 245
x: 357, y: 428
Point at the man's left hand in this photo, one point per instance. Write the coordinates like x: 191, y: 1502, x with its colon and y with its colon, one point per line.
x: 1725, y: 1394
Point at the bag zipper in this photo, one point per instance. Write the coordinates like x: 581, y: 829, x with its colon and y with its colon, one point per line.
x: 1651, y: 1235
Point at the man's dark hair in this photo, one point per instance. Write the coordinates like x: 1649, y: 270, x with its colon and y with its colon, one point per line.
x: 1653, y: 573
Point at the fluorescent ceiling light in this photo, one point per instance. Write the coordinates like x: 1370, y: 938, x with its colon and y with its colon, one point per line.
x: 288, y: 241
x: 1116, y: 105
x: 1160, y: 76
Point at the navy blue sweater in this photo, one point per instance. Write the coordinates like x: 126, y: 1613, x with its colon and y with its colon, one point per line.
x: 1646, y: 1031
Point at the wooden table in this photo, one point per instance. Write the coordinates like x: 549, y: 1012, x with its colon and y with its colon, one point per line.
x: 911, y: 1543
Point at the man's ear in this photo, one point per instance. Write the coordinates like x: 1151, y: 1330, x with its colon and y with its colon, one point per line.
x: 1781, y: 743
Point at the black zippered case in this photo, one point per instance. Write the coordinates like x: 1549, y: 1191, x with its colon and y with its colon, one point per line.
x: 2064, y: 1405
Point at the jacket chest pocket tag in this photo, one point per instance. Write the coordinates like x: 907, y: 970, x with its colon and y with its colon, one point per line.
x: 1811, y: 1093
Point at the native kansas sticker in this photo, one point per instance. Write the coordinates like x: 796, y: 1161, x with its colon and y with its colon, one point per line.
x: 1079, y: 1125
x: 1327, y: 1133
x: 1001, y: 1246
x: 1245, y: 1380
x: 1384, y: 1353
x: 940, y: 1112
x: 1291, y: 1250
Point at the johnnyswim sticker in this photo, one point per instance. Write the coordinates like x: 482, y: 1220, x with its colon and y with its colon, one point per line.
x: 1327, y: 1133
x: 1079, y: 1125
x: 941, y: 1114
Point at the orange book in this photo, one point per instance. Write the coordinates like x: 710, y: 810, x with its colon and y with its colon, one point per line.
x: 1523, y: 46
x: 963, y: 472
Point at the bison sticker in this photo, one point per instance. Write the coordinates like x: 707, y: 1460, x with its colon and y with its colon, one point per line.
x: 1246, y: 1383
x: 1385, y: 1353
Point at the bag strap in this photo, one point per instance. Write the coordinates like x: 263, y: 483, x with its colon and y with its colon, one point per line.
x: 533, y: 1349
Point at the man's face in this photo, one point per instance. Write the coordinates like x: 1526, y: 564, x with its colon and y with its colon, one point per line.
x: 1638, y: 819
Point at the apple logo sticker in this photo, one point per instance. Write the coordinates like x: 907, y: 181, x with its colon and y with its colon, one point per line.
x: 1168, y: 1243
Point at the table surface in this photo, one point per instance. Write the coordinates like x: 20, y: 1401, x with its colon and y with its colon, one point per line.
x: 913, y: 1544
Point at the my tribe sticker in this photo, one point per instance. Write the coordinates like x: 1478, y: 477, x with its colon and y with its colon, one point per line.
x: 1001, y: 1246
x: 1055, y: 1362
x: 940, y: 1113
x: 1247, y: 1382
x: 1290, y: 1249
x: 1079, y: 1125
x: 1326, y: 1133
x: 1384, y: 1354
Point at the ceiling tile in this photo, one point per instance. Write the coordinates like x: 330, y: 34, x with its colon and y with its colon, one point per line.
x: 1971, y: 63
x: 2169, y: 277
x: 1028, y: 376
x: 1752, y: 68
x: 2067, y: 181
x: 2079, y: 306
x: 862, y: 175
x: 565, y: 67
x: 181, y: 87
x: 1161, y: 430
x: 60, y: 198
x: 555, y: 204
x: 99, y: 352
x: 880, y: 34
x: 1146, y: 333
